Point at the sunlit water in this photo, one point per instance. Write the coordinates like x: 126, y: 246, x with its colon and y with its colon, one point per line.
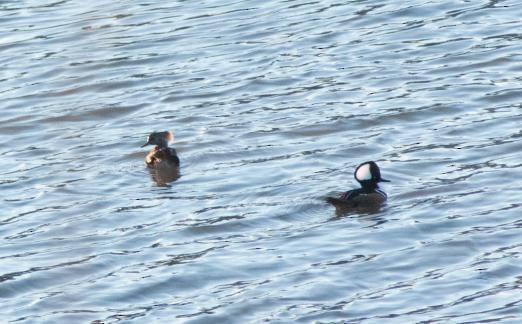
x: 273, y: 104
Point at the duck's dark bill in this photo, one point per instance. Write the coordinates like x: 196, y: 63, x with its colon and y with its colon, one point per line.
x: 384, y: 180
x: 145, y: 144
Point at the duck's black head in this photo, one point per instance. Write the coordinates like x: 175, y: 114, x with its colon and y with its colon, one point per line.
x: 368, y: 175
x: 160, y: 139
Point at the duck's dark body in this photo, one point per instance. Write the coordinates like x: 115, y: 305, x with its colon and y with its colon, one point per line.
x: 359, y: 198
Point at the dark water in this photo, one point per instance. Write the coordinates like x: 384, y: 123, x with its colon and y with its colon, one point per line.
x: 273, y: 104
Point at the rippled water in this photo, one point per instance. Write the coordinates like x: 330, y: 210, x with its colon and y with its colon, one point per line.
x: 273, y: 104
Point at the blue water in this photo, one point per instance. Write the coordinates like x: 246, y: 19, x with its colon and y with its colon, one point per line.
x: 272, y: 105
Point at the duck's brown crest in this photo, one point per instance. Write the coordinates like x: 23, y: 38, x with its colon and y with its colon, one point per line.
x: 169, y: 137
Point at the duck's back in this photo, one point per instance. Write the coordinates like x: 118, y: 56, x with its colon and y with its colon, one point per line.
x: 359, y: 198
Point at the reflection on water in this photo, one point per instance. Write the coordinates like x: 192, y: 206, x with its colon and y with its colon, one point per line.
x: 274, y: 105
x: 366, y: 217
x: 162, y: 175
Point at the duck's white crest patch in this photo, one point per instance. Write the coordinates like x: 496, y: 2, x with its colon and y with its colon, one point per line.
x: 363, y: 173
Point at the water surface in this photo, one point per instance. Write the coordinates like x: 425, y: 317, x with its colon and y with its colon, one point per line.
x: 272, y: 105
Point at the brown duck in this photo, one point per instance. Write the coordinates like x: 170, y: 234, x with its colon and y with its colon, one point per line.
x: 161, y: 155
